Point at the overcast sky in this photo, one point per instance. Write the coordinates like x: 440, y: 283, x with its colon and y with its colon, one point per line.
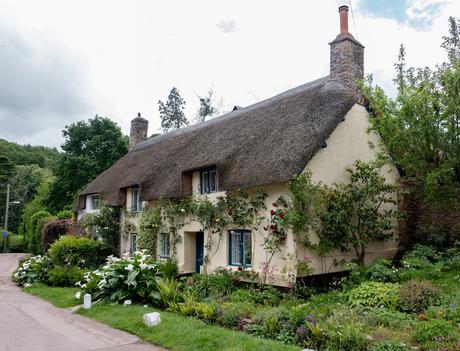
x: 64, y: 61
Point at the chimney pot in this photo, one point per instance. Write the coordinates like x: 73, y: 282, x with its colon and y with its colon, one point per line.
x: 343, y: 11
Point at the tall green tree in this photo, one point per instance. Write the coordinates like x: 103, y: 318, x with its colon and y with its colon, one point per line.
x: 6, y: 170
x: 421, y: 126
x: 172, y: 112
x: 89, y: 149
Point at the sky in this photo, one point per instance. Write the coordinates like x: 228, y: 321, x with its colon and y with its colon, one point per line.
x: 65, y: 61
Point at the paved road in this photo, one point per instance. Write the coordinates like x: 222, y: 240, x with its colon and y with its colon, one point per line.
x: 28, y: 323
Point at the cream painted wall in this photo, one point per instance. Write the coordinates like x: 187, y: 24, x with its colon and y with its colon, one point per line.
x: 348, y: 143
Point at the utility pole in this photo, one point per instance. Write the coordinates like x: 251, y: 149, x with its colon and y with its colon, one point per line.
x: 5, y: 238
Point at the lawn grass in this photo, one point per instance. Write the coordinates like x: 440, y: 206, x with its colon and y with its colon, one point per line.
x: 180, y: 333
x: 58, y: 296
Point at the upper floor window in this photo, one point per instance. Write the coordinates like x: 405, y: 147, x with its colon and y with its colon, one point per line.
x: 94, y: 202
x: 208, y: 181
x: 136, y: 204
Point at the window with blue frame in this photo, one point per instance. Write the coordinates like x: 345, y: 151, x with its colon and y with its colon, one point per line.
x: 240, y: 248
x: 208, y: 180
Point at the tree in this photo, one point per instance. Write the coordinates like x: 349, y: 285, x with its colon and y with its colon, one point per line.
x: 357, y: 213
x: 6, y: 170
x: 421, y: 126
x: 24, y: 183
x: 172, y: 113
x: 206, y: 108
x: 89, y: 149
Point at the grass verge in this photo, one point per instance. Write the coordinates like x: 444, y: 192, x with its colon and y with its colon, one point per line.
x: 176, y: 332
x: 59, y: 297
x: 180, y: 333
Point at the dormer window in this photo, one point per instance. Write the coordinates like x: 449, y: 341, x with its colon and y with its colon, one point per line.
x: 136, y: 204
x: 94, y: 202
x: 208, y: 180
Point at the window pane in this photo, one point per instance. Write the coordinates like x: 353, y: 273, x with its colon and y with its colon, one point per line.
x: 133, y: 243
x: 247, y: 248
x: 164, y: 245
x: 205, y: 182
x: 235, y: 248
x: 94, y: 202
x: 212, y: 181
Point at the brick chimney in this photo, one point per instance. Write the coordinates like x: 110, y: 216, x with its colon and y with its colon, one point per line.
x: 138, y: 131
x: 347, y: 56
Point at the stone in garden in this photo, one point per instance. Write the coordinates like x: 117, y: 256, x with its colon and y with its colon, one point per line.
x: 152, y: 319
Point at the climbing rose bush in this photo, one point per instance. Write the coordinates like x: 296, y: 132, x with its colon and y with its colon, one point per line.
x: 33, y: 270
x: 120, y: 279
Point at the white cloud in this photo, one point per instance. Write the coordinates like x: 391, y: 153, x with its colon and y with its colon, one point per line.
x: 130, y: 54
x: 422, y: 12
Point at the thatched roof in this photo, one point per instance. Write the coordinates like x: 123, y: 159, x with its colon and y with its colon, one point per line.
x: 265, y: 143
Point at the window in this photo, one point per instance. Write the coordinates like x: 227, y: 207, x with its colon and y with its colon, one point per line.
x: 133, y: 246
x: 164, y: 245
x: 94, y: 202
x: 240, y: 243
x: 208, y: 181
x: 136, y: 204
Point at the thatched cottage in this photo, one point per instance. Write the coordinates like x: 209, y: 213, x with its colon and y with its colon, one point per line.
x: 321, y: 126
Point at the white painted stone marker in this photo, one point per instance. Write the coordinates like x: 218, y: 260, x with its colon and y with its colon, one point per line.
x: 152, y: 319
x: 87, y: 301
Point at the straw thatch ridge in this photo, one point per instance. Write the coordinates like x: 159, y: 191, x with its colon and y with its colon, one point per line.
x: 265, y: 143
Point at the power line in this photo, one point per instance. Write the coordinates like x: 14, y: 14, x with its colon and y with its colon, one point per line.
x: 353, y: 18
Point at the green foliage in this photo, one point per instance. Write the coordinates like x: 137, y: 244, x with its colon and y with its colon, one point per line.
x: 105, y: 225
x: 357, y: 213
x: 374, y: 294
x: 221, y: 282
x: 168, y: 292
x: 264, y: 295
x: 150, y: 224
x: 172, y: 113
x: 417, y: 295
x: 388, y: 345
x: 382, y: 317
x: 44, y: 157
x: 34, y: 230
x: 24, y: 182
x: 432, y: 331
x: 168, y: 269
x: 420, y: 126
x: 305, y: 199
x: 129, y: 278
x: 207, y: 108
x: 64, y: 275
x: 89, y: 149
x: 33, y: 270
x: 15, y: 243
x: 64, y: 214
x: 81, y: 252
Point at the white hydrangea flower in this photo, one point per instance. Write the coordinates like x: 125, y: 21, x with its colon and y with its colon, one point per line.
x: 27, y: 285
x: 78, y: 295
x: 127, y: 302
x: 129, y: 267
x: 143, y: 265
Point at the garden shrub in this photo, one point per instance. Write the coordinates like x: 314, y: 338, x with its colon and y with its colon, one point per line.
x: 433, y: 330
x: 34, y: 230
x: 265, y: 295
x: 388, y: 318
x: 168, y: 268
x: 206, y: 311
x: 419, y: 268
x: 129, y: 278
x: 374, y: 294
x: 64, y: 275
x: 52, y: 230
x: 64, y: 214
x: 33, y: 270
x: 16, y: 243
x: 381, y: 270
x: 221, y: 282
x: 81, y: 252
x: 168, y: 292
x: 389, y: 345
x: 424, y: 252
x: 417, y: 295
